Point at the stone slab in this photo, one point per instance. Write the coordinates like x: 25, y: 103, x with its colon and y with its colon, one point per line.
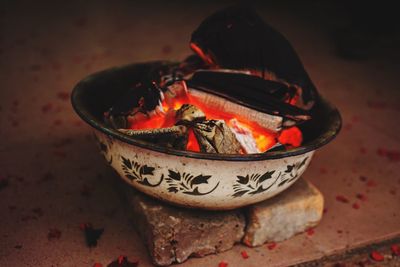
x: 294, y: 211
x: 173, y: 234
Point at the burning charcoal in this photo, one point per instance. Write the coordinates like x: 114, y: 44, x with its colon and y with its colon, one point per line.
x: 237, y: 38
x: 244, y: 137
x: 122, y: 261
x: 174, y: 137
x: 188, y: 114
x: 214, y: 136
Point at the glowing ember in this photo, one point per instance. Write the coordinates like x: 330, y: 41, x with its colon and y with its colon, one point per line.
x: 264, y: 139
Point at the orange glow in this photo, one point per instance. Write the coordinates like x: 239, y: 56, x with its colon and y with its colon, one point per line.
x: 264, y: 138
x: 291, y: 137
x: 192, y: 144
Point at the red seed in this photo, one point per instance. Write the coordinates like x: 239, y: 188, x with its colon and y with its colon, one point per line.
x: 54, y: 233
x: 271, y: 246
x: 342, y: 199
x: 244, y: 254
x: 47, y: 107
x: 376, y: 256
x: 63, y: 96
x: 363, y: 178
x: 361, y: 197
x: 310, y: 232
x: 223, y: 264
x: 395, y: 249
x: 356, y: 206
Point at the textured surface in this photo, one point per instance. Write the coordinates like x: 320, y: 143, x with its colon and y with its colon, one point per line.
x: 57, y: 178
x: 173, y: 234
x: 292, y: 212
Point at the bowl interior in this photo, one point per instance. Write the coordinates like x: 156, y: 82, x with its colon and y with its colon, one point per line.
x: 95, y: 94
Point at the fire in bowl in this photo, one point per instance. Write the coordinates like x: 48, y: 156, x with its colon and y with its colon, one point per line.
x: 232, y: 125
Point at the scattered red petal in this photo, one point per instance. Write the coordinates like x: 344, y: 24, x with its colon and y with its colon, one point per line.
x: 348, y: 126
x: 395, y: 250
x: 48, y: 176
x: 28, y: 218
x: 3, y: 183
x: 361, y: 197
x: 271, y: 246
x: 376, y: 256
x: 63, y: 96
x: 167, y: 49
x: 322, y: 170
x: 86, y: 191
x: 244, y: 254
x: 98, y: 265
x: 12, y: 207
x: 310, y: 232
x: 356, y: 206
x: 38, y: 211
x: 363, y: 150
x: 223, y: 264
x: 342, y: 199
x: 53, y: 234
x: 391, y: 155
x: 47, y: 107
x: 122, y: 261
x: 60, y: 154
x: 57, y: 122
x: 376, y: 104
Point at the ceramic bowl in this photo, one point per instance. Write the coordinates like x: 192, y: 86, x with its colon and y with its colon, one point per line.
x: 193, y: 179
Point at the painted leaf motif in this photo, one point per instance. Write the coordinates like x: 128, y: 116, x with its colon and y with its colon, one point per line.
x: 242, y: 179
x: 200, y: 179
x: 265, y: 176
x: 283, y: 182
x: 302, y: 163
x: 172, y: 189
x: 146, y: 170
x: 240, y: 193
x: 130, y: 177
x: 174, y: 175
x: 127, y: 163
x: 289, y: 168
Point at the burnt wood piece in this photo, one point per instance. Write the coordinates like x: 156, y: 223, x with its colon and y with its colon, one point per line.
x: 263, y: 95
x: 214, y: 136
x: 173, y: 234
x: 188, y: 114
x: 238, y: 38
x: 173, y: 137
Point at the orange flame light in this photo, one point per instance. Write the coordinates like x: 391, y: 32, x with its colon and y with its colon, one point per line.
x: 264, y: 138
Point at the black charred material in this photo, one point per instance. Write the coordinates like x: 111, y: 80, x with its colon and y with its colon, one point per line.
x: 145, y: 94
x: 91, y: 234
x: 173, y: 137
x: 263, y: 95
x: 237, y: 38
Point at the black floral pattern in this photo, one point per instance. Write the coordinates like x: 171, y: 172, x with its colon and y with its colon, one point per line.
x: 256, y: 183
x: 139, y: 173
x: 187, y: 183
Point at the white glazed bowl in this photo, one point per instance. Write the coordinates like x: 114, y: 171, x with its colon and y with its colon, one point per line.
x: 191, y: 179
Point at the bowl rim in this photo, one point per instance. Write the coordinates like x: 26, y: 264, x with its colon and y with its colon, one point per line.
x: 324, y: 138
